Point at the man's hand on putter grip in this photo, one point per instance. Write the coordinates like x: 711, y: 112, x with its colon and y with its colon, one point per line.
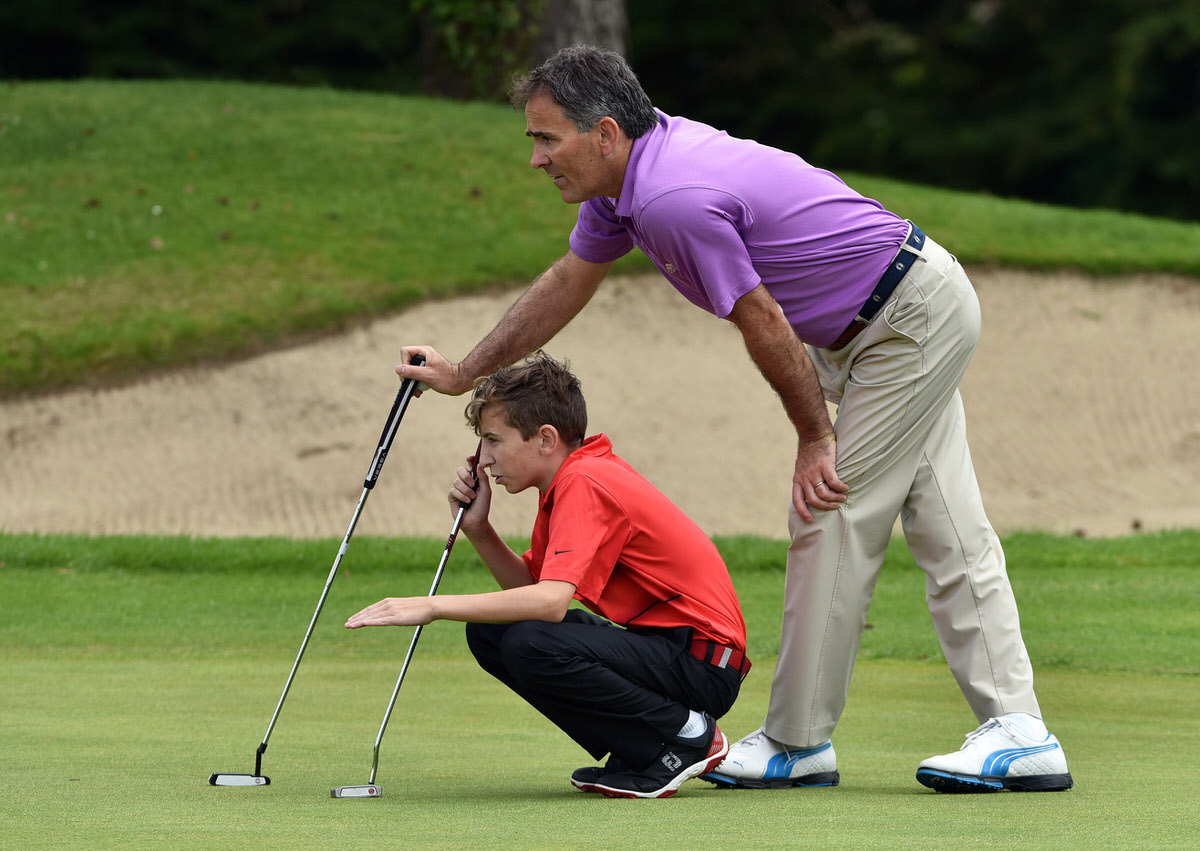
x: 437, y: 373
x: 394, y: 611
x: 815, y: 483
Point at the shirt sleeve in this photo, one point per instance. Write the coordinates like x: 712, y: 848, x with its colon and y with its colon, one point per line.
x: 588, y: 530
x: 599, y: 236
x: 700, y: 231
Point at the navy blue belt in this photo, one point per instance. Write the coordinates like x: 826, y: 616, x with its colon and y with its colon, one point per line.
x: 888, y: 282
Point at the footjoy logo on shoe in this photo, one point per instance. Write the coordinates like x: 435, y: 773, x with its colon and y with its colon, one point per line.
x: 672, y: 762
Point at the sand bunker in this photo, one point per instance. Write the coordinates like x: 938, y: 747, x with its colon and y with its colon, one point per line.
x: 1082, y: 407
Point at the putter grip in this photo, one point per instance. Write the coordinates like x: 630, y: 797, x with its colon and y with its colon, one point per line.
x: 417, y: 360
x: 474, y: 474
x: 403, y: 395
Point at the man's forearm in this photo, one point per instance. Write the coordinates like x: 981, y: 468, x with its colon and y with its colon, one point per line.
x: 783, y: 361
x: 544, y: 309
x: 795, y: 380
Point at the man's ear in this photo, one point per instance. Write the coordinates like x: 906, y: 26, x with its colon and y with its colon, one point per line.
x: 608, y: 134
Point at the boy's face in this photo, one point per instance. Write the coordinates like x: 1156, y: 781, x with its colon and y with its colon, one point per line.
x: 511, y: 460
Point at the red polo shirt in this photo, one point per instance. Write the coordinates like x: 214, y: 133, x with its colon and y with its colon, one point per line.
x: 632, y: 555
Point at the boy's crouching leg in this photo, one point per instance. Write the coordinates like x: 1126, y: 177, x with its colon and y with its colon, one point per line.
x: 484, y: 641
x: 563, y: 671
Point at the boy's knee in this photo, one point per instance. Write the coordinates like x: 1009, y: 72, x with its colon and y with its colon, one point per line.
x: 530, y: 651
x: 483, y: 640
x: 525, y: 650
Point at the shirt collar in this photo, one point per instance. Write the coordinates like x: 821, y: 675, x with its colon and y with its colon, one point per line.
x: 596, y: 446
x: 625, y: 202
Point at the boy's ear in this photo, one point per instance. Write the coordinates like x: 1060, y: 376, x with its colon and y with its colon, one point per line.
x: 548, y: 439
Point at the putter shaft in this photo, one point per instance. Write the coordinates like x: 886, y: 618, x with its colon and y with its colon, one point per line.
x: 412, y: 645
x: 403, y: 396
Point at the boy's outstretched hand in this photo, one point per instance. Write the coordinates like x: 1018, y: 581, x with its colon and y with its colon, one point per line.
x: 394, y: 611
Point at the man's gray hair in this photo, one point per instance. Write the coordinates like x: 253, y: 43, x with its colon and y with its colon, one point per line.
x: 589, y: 83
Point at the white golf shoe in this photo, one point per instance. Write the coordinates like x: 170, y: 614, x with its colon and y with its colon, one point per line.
x: 1001, y: 755
x: 760, y: 762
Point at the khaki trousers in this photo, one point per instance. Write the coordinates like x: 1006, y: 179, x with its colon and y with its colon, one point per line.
x: 902, y: 449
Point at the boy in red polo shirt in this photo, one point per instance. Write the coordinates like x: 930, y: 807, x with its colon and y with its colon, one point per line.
x: 644, y: 678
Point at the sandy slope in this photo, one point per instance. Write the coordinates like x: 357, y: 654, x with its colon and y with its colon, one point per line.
x: 1082, y: 403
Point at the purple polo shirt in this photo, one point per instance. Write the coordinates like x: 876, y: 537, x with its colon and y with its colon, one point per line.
x: 719, y: 215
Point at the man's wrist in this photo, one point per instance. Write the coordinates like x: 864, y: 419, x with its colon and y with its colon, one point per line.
x: 462, y: 376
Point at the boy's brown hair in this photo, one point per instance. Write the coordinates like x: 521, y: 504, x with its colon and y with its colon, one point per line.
x: 540, y: 391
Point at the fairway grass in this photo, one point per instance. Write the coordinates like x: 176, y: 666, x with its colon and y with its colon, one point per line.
x: 116, y: 754
x: 133, y: 668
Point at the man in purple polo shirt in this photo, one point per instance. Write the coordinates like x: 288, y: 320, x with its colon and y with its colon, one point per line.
x: 837, y: 299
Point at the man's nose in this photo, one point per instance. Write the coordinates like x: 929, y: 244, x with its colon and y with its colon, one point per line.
x: 539, y: 158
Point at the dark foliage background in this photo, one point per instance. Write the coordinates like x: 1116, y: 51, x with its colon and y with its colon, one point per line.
x: 1094, y: 104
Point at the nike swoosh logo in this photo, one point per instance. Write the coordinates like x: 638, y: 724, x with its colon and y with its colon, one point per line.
x: 560, y: 552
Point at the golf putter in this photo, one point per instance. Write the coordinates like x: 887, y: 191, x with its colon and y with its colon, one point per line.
x: 371, y: 789
x: 407, y: 388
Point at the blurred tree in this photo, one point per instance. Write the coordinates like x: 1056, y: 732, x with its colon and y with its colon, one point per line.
x: 470, y: 48
x: 567, y: 22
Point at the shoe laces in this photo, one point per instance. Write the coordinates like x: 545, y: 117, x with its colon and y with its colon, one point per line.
x: 759, y: 739
x: 986, y: 726
x: 756, y: 739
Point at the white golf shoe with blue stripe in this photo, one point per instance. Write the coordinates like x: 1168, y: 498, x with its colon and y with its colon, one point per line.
x: 1000, y: 755
x: 760, y: 762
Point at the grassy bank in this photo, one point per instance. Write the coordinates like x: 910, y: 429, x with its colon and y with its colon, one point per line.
x: 150, y: 224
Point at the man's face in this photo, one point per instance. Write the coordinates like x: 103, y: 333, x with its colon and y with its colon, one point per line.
x: 508, y: 458
x: 573, y: 160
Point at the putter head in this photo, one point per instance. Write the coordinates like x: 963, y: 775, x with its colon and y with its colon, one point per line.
x: 371, y: 790
x: 239, y: 780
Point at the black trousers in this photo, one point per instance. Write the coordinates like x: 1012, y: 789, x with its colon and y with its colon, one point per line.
x: 612, y: 690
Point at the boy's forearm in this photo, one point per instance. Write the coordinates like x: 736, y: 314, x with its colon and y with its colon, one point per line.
x: 508, y: 568
x: 543, y: 601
